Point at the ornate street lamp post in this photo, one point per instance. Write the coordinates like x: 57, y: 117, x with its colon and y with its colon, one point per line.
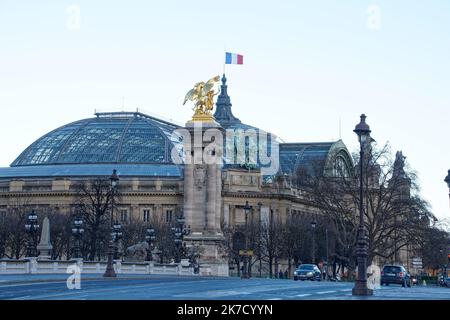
x: 361, y: 289
x: 116, y: 235
x: 245, y: 273
x: 32, y: 227
x: 77, y: 232
x: 313, y: 228
x: 180, y: 231
x: 109, y: 272
x: 150, y: 237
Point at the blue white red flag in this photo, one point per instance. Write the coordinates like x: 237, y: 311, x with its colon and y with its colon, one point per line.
x: 233, y: 58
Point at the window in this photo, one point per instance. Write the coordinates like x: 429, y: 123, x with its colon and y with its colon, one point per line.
x: 169, y: 216
x: 340, y: 168
x: 146, y: 215
x: 123, y: 215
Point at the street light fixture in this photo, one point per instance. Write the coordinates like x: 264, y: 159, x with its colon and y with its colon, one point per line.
x: 180, y: 231
x: 150, y: 237
x: 77, y: 232
x: 245, y: 273
x: 313, y: 228
x: 362, y: 129
x: 32, y: 228
x: 116, y: 235
x: 109, y: 272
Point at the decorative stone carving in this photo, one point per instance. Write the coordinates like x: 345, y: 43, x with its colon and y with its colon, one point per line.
x: 199, y: 176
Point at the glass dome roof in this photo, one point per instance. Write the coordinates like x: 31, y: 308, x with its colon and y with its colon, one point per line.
x: 120, y: 137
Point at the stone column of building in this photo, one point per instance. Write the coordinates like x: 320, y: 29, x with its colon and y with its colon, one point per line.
x: 219, y: 201
x: 203, y: 200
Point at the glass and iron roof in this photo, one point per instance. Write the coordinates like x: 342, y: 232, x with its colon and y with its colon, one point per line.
x: 307, y: 156
x: 120, y: 138
x: 140, y: 145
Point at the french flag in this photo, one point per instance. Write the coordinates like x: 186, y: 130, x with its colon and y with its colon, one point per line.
x: 233, y: 58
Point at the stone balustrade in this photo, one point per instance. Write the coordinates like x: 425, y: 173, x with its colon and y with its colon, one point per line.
x: 34, y: 266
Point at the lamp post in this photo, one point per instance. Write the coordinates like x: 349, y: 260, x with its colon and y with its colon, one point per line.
x: 313, y: 228
x: 116, y: 235
x: 362, y: 129
x: 326, y: 252
x: 109, y: 272
x: 150, y: 237
x: 247, y: 209
x: 32, y: 228
x: 77, y: 232
x: 180, y: 231
x: 259, y: 251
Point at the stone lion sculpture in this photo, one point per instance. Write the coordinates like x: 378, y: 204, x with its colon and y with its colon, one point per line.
x: 137, y: 252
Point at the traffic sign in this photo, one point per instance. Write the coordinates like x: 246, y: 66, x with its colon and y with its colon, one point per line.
x: 246, y: 253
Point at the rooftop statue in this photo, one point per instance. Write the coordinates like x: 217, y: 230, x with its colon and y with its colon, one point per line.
x: 399, y: 163
x: 203, y: 96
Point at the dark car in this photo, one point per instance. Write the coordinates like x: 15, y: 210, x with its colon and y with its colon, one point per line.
x: 443, y: 281
x: 396, y: 275
x: 308, y: 272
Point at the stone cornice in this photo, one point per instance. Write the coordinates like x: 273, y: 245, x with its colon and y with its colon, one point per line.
x: 249, y: 195
x: 71, y: 194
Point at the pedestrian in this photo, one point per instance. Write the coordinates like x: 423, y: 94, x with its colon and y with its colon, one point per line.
x: 280, y: 274
x: 286, y: 274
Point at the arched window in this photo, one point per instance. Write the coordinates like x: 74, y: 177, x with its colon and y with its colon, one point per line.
x: 340, y: 168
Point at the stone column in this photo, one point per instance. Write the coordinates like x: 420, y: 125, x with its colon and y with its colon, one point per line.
x: 188, y: 188
x: 211, y: 194
x: 203, y: 200
x: 226, y: 214
x: 219, y: 201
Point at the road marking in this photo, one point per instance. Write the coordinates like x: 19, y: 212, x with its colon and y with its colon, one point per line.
x: 303, y: 295
x: 275, y: 299
x: 325, y: 292
x: 21, y: 298
x: 343, y: 290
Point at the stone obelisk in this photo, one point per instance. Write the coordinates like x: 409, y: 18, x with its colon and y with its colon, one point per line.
x: 44, y: 247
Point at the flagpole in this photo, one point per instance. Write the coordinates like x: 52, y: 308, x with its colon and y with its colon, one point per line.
x: 225, y: 60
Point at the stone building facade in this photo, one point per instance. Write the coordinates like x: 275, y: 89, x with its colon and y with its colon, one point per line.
x: 142, y: 149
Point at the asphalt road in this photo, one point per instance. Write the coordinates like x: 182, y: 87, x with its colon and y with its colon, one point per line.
x: 41, y: 287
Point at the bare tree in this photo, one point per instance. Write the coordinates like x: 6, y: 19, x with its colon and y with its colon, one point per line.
x: 165, y: 239
x: 433, y: 247
x: 271, y: 243
x: 393, y: 210
x: 14, y: 227
x: 93, y: 201
x: 134, y: 232
x: 60, y: 234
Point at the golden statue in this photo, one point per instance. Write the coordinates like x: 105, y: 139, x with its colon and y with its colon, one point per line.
x: 203, y: 96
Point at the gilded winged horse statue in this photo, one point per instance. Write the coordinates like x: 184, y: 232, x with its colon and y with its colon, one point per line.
x: 203, y: 96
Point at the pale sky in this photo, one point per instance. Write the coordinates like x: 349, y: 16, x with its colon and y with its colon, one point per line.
x: 306, y: 64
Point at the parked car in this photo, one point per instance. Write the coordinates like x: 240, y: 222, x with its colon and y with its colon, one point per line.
x: 308, y: 272
x: 396, y: 275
